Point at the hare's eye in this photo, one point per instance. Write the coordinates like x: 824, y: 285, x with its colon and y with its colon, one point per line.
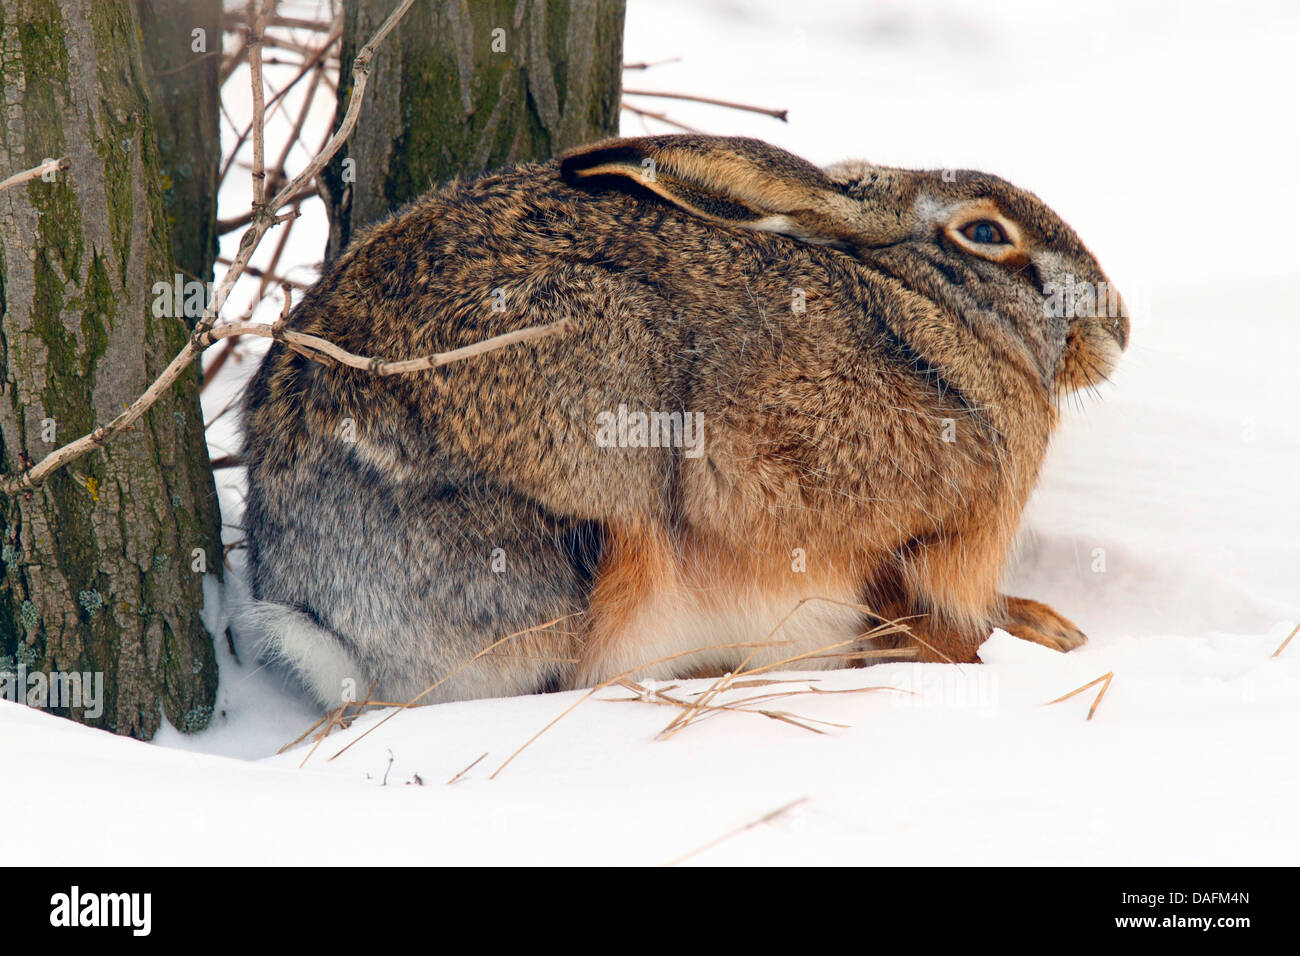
x: 985, y: 232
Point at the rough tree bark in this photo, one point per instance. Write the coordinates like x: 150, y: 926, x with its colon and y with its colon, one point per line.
x: 464, y: 87
x: 99, y: 564
x: 183, y: 66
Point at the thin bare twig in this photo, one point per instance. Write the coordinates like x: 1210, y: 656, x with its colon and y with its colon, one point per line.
x: 306, y: 50
x: 319, y: 55
x: 210, y: 373
x: 257, y: 22
x: 268, y: 275
x: 236, y: 19
x: 316, y: 348
x: 257, y: 273
x: 231, y: 62
x: 26, y: 175
x: 648, y: 65
x: 30, y: 478
x: 313, y: 346
x: 273, y: 103
x: 295, y: 135
x: 243, y: 219
x: 661, y: 117
x: 766, y: 111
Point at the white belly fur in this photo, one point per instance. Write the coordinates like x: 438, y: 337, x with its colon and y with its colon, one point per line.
x: 685, y: 619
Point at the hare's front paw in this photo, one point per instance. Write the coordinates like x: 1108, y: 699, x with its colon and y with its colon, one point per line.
x: 1032, y: 621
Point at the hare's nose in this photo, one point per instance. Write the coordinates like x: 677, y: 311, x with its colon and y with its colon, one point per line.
x: 1117, y: 323
x: 1121, y: 331
x: 1111, y: 312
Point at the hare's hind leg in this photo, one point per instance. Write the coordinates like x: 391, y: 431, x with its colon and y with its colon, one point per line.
x: 364, y: 579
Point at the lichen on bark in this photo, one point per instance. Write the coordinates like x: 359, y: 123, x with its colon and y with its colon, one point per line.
x: 82, y: 588
x: 461, y: 88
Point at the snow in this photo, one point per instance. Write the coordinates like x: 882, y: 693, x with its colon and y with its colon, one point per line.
x: 1165, y: 523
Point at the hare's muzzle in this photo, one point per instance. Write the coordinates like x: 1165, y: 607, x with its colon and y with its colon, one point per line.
x: 1117, y: 325
x: 1109, y: 312
x: 1097, y: 334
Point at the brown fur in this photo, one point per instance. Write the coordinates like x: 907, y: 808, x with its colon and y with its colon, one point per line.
x: 823, y: 428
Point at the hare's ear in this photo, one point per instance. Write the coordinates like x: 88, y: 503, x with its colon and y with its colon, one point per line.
x: 741, y: 182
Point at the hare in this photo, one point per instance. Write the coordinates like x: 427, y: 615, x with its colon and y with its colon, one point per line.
x: 783, y: 383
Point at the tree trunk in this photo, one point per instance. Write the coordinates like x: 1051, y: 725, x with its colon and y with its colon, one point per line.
x: 183, y: 40
x: 463, y: 87
x: 101, y: 565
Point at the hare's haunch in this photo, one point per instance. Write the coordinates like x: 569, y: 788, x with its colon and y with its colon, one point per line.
x: 783, y: 383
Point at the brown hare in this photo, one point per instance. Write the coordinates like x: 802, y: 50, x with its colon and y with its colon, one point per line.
x: 783, y: 382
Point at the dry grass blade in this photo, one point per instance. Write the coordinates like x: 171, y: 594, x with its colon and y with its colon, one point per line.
x: 662, y: 699
x: 343, y: 721
x: 698, y: 708
x: 618, y: 679
x: 438, y: 683
x: 1104, y: 680
x: 793, y: 721
x: 767, y: 682
x: 874, y: 654
x: 785, y: 716
x: 765, y: 818
x: 744, y: 705
x: 337, y: 718
x: 303, y: 736
x: 468, y: 769
x: 685, y: 716
x: 859, y: 690
x: 745, y: 671
x: 740, y: 679
x: 1283, y: 645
